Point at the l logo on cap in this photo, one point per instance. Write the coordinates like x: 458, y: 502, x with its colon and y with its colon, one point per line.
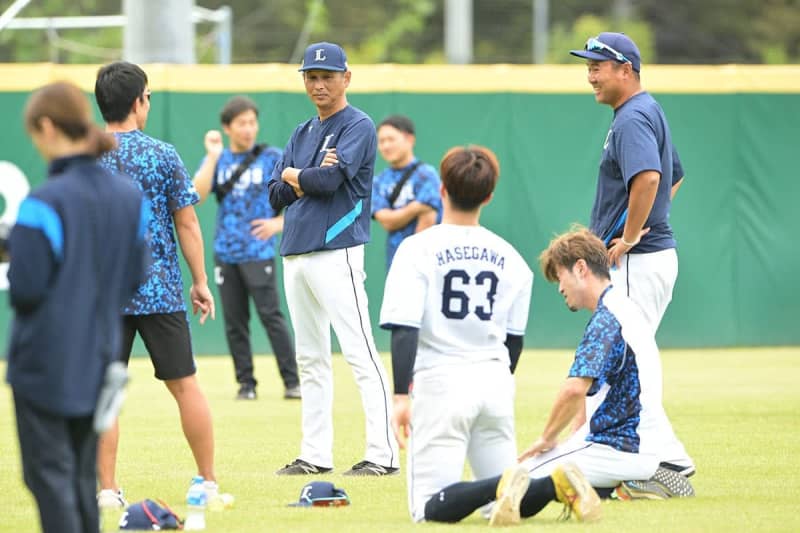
x: 320, y: 55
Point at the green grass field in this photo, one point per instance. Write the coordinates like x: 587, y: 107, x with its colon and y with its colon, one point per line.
x: 736, y: 410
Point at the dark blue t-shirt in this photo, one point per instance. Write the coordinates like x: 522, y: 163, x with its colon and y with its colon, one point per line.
x: 639, y: 139
x: 422, y: 186
x: 335, y: 209
x: 247, y: 201
x: 158, y: 171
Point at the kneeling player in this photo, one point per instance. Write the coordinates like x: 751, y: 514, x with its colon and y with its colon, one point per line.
x: 456, y: 300
x: 616, y: 377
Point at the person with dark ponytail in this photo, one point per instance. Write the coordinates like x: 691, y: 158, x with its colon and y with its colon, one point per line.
x: 78, y: 252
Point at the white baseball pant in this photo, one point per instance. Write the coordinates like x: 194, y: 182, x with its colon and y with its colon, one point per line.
x: 325, y: 289
x: 648, y: 280
x: 458, y: 412
x: 602, y: 465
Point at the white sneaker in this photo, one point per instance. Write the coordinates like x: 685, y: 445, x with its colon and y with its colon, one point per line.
x: 212, y: 490
x: 216, y: 500
x: 110, y: 499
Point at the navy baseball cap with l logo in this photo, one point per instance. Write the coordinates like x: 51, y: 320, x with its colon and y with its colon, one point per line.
x: 321, y: 494
x: 324, y: 56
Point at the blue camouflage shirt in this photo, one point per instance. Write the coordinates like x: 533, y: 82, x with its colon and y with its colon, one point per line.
x: 422, y: 186
x: 158, y: 171
x: 604, y: 356
x: 247, y: 201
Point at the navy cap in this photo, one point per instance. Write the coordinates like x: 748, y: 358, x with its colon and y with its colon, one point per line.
x: 324, y: 56
x: 321, y: 494
x: 147, y: 515
x: 604, y: 46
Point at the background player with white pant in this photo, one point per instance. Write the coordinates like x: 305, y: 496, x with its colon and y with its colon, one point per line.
x: 639, y: 174
x: 456, y: 300
x: 325, y: 180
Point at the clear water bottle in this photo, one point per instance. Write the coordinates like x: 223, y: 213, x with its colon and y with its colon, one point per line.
x: 196, y: 506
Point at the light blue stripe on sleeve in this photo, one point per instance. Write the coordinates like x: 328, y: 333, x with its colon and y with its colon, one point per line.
x: 343, y: 222
x: 36, y: 214
x: 144, y: 219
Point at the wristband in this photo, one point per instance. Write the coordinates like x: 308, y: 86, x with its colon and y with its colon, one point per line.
x: 628, y: 244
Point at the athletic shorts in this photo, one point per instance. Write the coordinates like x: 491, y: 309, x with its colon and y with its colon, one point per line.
x: 167, y: 339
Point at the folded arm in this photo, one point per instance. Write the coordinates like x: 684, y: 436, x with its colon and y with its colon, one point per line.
x: 397, y: 219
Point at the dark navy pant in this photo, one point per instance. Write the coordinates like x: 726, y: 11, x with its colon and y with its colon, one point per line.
x: 59, y: 465
x: 236, y: 284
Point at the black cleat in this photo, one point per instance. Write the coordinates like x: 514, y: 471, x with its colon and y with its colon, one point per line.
x: 292, y: 393
x: 368, y: 468
x: 246, y: 392
x: 298, y: 467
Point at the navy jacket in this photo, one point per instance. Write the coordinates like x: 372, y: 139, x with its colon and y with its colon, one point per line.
x: 335, y: 209
x: 78, y: 253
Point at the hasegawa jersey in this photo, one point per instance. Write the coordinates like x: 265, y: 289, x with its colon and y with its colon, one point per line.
x: 464, y: 287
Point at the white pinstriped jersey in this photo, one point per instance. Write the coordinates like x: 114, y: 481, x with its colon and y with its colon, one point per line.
x: 464, y: 287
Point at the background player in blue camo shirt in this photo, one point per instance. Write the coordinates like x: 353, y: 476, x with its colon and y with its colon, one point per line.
x: 325, y: 181
x: 417, y: 204
x: 244, y: 243
x: 639, y: 174
x: 157, y: 311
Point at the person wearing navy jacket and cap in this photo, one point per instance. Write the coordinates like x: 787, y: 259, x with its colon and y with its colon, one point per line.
x: 639, y: 174
x: 78, y: 252
x: 324, y: 180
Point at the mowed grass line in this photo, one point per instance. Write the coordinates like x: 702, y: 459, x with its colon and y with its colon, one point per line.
x: 735, y: 409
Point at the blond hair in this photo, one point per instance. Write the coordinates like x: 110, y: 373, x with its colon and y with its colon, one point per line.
x: 566, y: 249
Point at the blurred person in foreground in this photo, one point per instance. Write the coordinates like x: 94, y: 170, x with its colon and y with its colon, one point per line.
x: 78, y: 253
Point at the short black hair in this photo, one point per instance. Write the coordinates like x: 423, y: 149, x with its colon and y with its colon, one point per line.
x: 117, y: 87
x: 469, y: 175
x: 235, y: 107
x: 398, y: 122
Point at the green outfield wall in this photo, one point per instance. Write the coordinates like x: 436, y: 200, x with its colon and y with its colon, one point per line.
x: 735, y: 218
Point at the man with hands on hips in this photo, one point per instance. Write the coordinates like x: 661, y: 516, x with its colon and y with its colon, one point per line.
x: 639, y: 174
